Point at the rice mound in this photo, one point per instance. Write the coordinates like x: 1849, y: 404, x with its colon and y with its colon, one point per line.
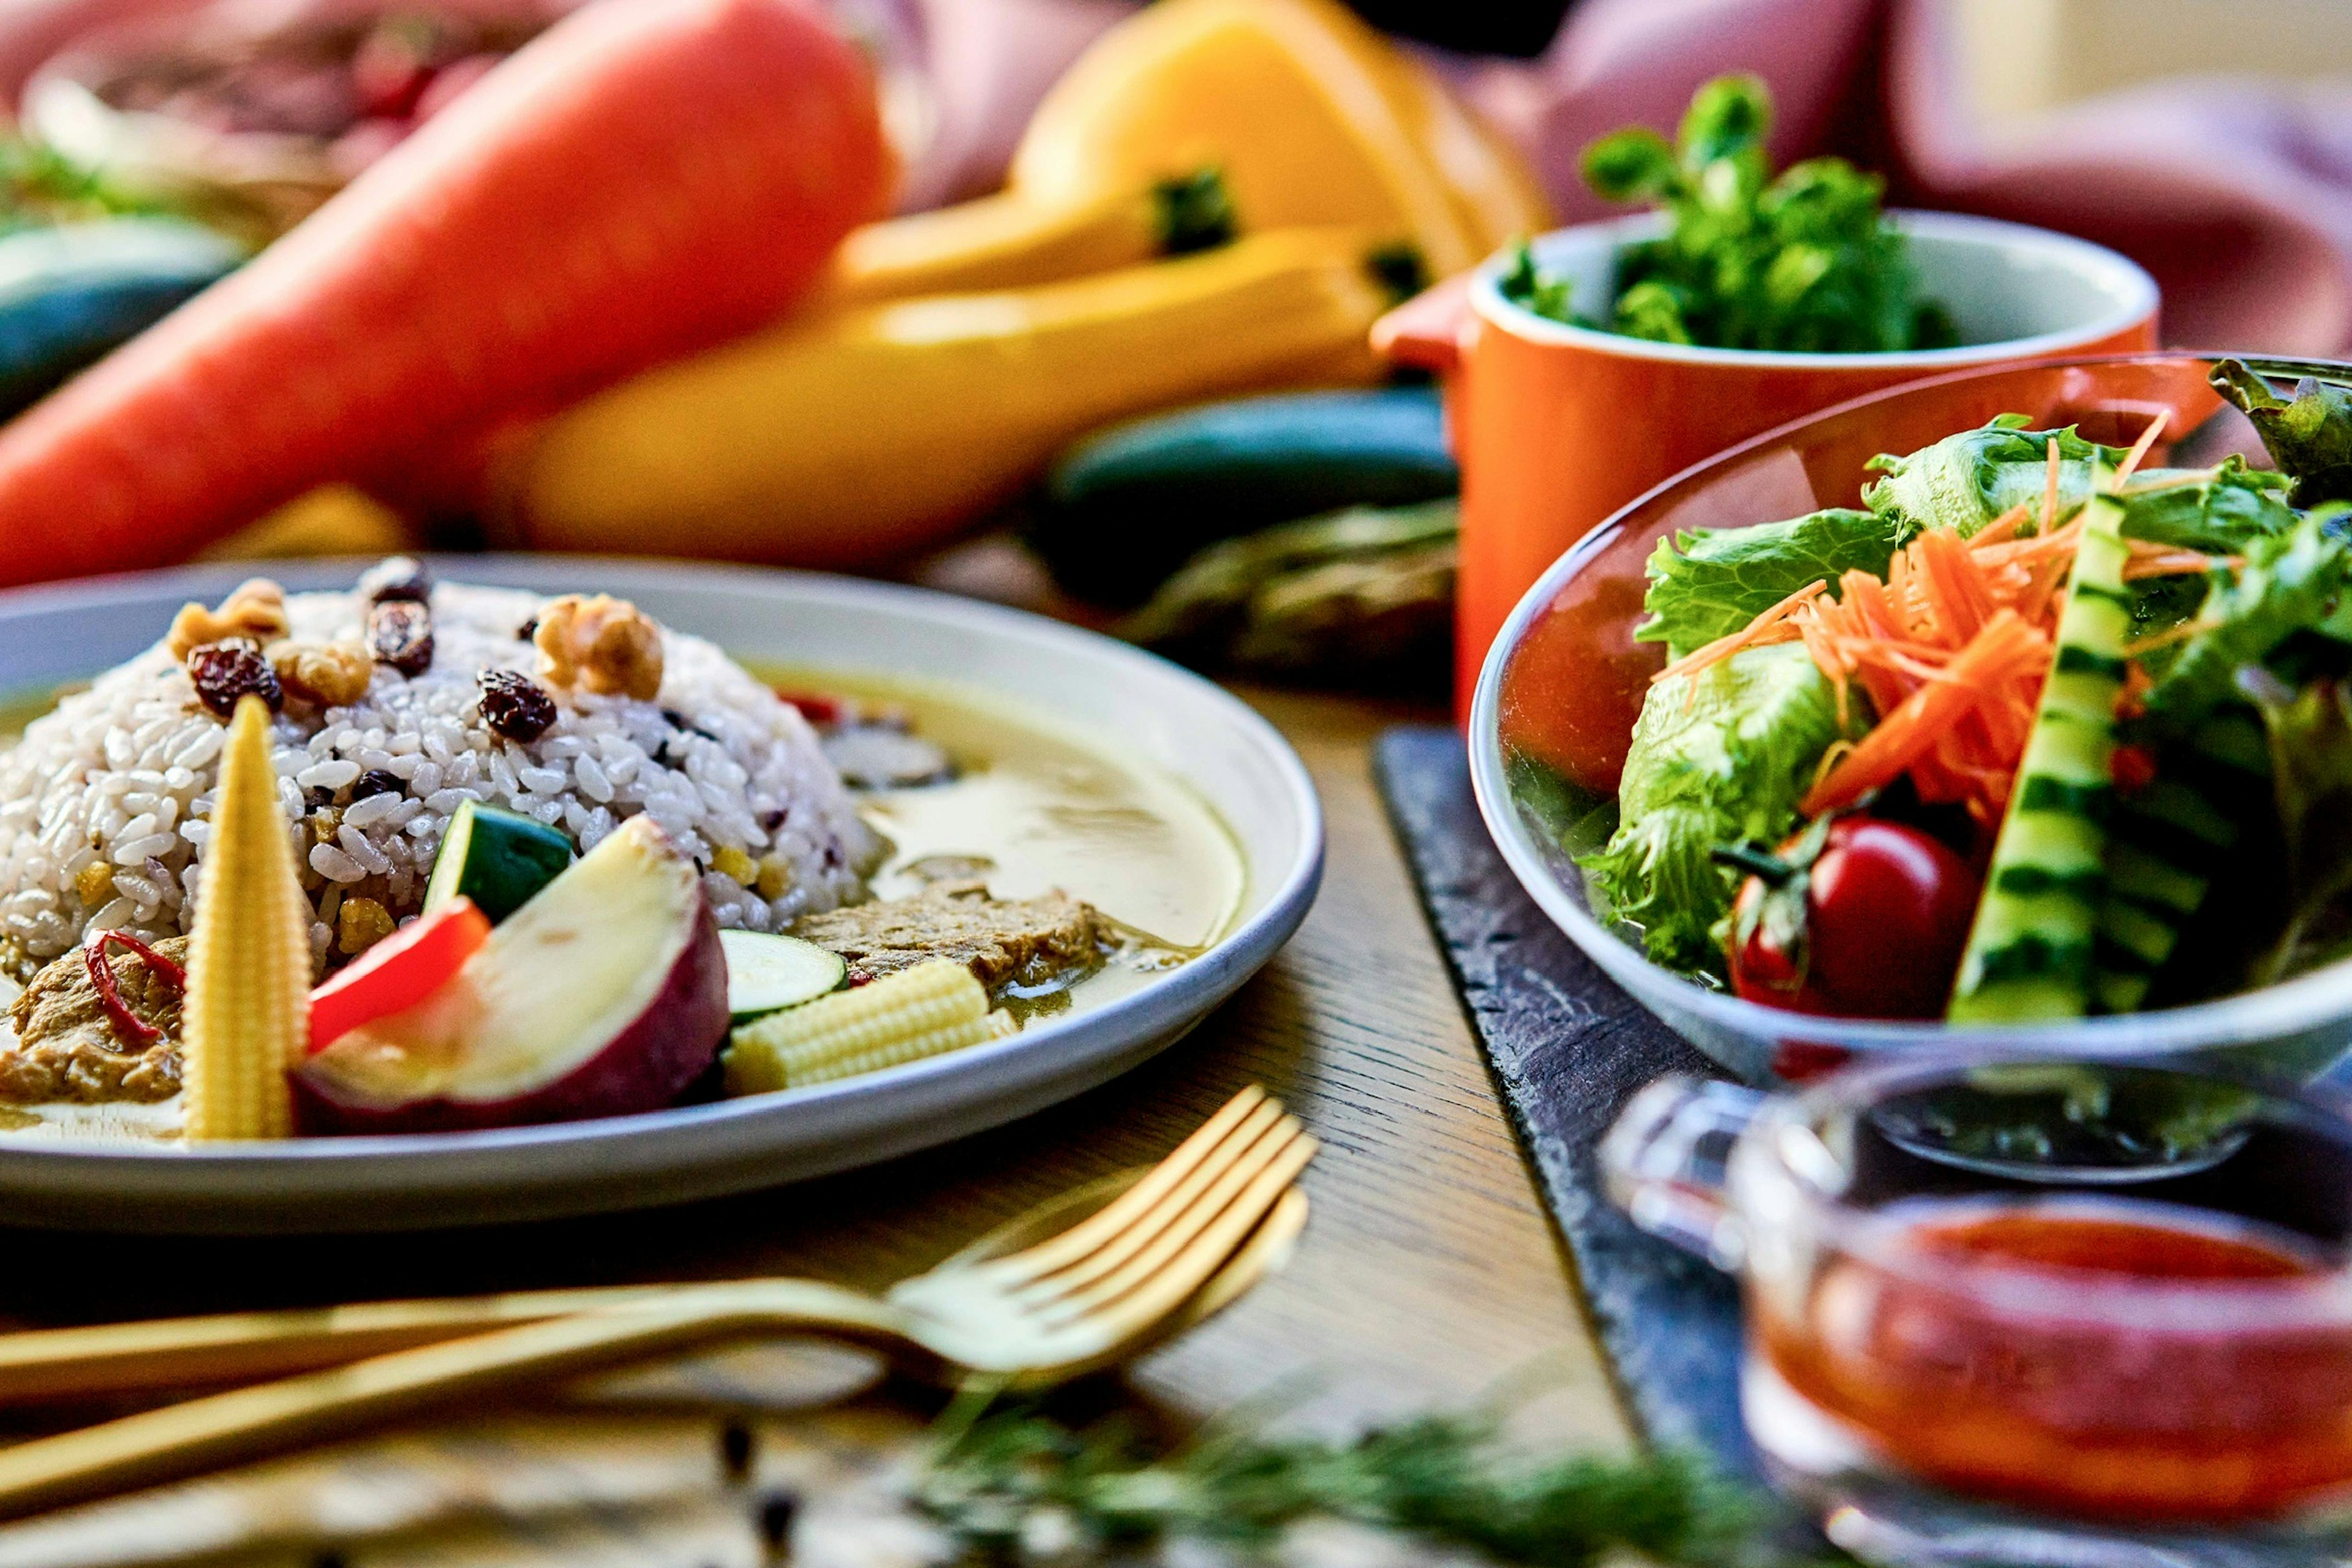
x: 124, y: 773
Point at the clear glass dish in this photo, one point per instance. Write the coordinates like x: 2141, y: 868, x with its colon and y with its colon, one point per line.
x: 2004, y: 1313
x: 1556, y: 703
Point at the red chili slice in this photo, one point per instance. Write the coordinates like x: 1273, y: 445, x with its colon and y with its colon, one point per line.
x: 109, y: 993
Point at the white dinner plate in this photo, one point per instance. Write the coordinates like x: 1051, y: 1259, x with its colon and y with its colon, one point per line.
x: 1129, y: 703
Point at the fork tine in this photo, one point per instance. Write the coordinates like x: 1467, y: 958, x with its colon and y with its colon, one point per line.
x: 1143, y: 1226
x: 1163, y: 1289
x: 1114, y: 1270
x: 1193, y: 1163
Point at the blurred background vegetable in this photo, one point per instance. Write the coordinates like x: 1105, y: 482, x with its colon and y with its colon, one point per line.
x: 1123, y: 508
x: 465, y: 273
x: 1363, y: 597
x: 71, y: 293
x: 253, y: 126
x: 1307, y: 116
x: 851, y: 436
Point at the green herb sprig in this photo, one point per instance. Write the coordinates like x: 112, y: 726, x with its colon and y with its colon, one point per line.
x: 1802, y: 263
x: 1016, y: 1487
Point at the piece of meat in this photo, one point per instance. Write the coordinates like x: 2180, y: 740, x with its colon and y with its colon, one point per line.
x: 1022, y: 941
x: 66, y: 1048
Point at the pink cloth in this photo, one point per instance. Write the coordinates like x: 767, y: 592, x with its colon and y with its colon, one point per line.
x: 2236, y: 193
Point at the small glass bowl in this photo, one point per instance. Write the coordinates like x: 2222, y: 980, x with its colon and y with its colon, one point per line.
x: 2005, y: 1313
x: 1556, y: 703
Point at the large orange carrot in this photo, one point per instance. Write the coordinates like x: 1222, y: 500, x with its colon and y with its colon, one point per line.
x: 646, y: 177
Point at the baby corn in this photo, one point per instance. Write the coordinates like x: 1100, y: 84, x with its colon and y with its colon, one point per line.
x: 902, y: 1018
x: 248, y: 1016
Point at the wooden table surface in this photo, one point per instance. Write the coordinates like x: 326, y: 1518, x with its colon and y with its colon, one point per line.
x: 1429, y: 1276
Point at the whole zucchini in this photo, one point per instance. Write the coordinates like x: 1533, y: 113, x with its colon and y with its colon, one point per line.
x: 69, y: 294
x: 1125, y: 507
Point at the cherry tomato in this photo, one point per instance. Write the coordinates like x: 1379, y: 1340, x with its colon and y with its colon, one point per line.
x: 1872, y: 926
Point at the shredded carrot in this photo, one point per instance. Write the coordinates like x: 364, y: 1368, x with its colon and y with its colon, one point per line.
x: 2139, y: 447
x: 1986, y: 672
x: 2003, y: 529
x: 2165, y: 639
x: 1951, y: 648
x: 1753, y: 633
x: 2173, y: 481
x: 2132, y: 700
x: 2151, y: 560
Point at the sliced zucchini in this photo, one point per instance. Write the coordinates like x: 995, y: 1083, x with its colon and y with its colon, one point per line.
x: 497, y: 858
x: 2030, y: 955
x: 767, y: 973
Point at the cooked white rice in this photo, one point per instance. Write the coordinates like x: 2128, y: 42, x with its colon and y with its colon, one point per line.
x: 124, y: 772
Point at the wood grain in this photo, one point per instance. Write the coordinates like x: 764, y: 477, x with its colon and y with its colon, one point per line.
x: 1429, y: 1276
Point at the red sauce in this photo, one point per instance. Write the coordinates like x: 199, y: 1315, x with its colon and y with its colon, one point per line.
x: 2202, y: 1407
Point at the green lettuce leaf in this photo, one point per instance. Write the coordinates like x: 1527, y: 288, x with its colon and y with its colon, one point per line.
x: 1964, y: 481
x: 1708, y: 585
x: 1719, y: 758
x: 2311, y: 768
x: 2222, y: 511
x: 2291, y: 583
x: 2309, y: 435
x: 2218, y: 510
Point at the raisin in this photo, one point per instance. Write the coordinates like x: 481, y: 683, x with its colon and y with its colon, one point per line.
x: 400, y: 634
x: 224, y: 671
x: 396, y: 578
x: 375, y: 781
x: 515, y: 705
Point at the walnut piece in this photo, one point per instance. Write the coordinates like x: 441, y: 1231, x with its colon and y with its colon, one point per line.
x: 256, y: 611
x: 600, y: 644
x: 323, y: 674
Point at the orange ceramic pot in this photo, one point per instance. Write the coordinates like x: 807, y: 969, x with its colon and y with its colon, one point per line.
x: 1558, y: 427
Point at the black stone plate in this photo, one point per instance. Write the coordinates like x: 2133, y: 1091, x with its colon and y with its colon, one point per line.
x: 1569, y: 1050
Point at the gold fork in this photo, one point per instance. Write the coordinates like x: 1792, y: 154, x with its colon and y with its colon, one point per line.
x: 1187, y: 1237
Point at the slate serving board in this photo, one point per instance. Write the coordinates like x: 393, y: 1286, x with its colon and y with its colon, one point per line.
x: 1569, y: 1049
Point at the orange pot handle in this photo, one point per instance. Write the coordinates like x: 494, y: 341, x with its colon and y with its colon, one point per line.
x: 1432, y: 330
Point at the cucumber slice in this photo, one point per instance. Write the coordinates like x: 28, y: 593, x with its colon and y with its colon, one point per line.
x: 496, y: 858
x: 765, y: 973
x: 2030, y: 953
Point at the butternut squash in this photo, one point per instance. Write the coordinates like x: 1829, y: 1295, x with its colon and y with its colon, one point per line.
x: 857, y: 435
x: 1310, y: 117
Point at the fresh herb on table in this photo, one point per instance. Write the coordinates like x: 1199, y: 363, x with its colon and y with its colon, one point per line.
x: 1800, y: 263
x: 1017, y: 1487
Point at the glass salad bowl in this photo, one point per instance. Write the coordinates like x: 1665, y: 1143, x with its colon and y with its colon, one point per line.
x: 1555, y: 707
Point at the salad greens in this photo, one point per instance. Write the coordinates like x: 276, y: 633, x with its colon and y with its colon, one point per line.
x: 1965, y: 480
x: 2223, y: 857
x: 1708, y: 585
x: 1797, y: 264
x: 1718, y: 758
x: 2311, y: 771
x: 2309, y: 435
x: 2291, y: 584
